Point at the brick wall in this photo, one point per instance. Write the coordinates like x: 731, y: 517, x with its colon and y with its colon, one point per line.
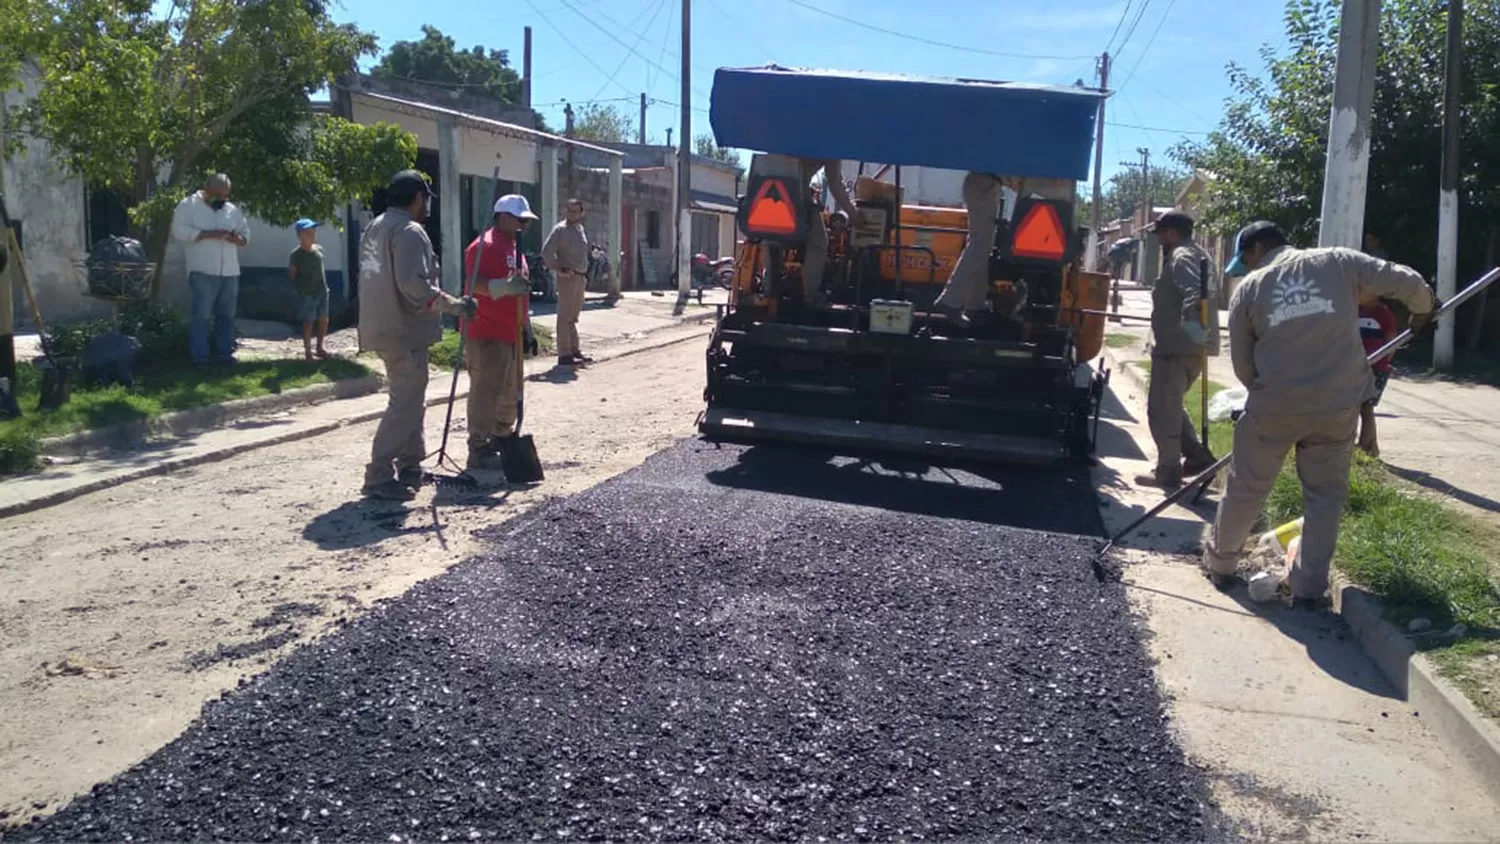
x: 592, y: 186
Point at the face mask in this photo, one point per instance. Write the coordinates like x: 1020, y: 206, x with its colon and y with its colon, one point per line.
x: 218, y: 203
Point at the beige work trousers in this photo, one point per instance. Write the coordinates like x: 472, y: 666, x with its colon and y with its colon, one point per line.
x: 814, y: 257
x: 399, y: 443
x: 570, y: 290
x: 968, y: 285
x: 492, y: 389
x: 1325, y: 445
x: 1171, y: 428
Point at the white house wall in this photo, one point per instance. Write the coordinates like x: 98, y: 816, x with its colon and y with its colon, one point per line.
x: 49, y: 203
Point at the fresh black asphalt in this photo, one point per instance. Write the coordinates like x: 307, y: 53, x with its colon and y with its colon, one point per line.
x: 762, y: 644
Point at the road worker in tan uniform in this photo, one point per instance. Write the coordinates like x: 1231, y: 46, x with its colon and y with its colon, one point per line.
x: 566, y: 252
x: 401, y: 303
x: 1179, y: 340
x: 968, y: 284
x: 815, y: 254
x: 1294, y: 338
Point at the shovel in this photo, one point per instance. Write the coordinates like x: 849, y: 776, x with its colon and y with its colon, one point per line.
x: 518, y: 452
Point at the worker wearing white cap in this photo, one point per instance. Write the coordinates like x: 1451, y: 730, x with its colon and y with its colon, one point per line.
x: 1295, y: 342
x: 502, y: 322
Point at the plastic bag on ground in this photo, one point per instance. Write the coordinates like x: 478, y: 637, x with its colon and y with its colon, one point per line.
x: 1227, y: 404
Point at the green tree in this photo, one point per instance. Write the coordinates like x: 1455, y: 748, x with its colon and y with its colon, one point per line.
x: 708, y: 148
x: 1124, y: 191
x: 599, y: 122
x: 437, y: 60
x: 147, y: 102
x: 1268, y: 154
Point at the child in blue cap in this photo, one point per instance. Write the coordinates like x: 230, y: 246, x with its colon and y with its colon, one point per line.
x: 306, y: 270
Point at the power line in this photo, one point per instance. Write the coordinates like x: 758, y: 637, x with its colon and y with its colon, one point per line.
x: 615, y: 38
x: 621, y: 65
x: 1147, y: 48
x: 1154, y: 129
x: 1140, y: 13
x: 1123, y: 15
x: 927, y: 41
x: 566, y: 40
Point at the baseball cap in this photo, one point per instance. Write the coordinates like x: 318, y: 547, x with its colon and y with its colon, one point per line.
x: 515, y: 205
x: 1175, y: 220
x: 410, y: 183
x: 304, y: 224
x: 1237, y: 266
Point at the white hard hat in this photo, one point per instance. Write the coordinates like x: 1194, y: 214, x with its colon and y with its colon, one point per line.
x: 515, y: 205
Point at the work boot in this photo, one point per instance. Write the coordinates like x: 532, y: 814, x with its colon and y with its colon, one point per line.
x: 1160, y: 480
x: 582, y: 359
x: 566, y: 361
x: 1197, y: 465
x: 485, y: 459
x: 389, y: 490
x: 410, y: 477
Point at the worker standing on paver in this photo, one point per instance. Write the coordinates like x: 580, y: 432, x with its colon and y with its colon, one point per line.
x: 968, y: 284
x: 815, y: 254
x: 1294, y: 338
x: 401, y: 304
x: 1179, y: 340
x: 566, y: 252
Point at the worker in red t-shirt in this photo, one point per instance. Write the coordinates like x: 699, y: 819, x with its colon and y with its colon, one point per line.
x: 491, y: 336
x: 1377, y: 326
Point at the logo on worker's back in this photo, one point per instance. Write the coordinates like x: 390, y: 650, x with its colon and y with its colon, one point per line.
x: 1295, y: 297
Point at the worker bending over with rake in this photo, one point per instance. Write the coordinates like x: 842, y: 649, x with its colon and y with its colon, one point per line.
x: 1180, y: 345
x: 491, y: 336
x: 1294, y: 338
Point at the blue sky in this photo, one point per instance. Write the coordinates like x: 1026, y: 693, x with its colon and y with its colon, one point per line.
x: 1169, y: 66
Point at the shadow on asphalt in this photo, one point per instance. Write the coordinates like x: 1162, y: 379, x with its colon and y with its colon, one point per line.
x: 1060, y: 499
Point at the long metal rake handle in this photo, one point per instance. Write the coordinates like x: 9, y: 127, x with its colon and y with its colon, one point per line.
x: 1379, y: 354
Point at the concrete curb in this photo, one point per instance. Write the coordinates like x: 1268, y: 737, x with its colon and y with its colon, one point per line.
x: 1446, y: 708
x: 1413, y: 675
x: 42, y: 502
x: 209, y: 417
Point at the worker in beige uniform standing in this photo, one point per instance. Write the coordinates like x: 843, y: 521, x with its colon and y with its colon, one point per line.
x: 401, y: 304
x: 968, y: 285
x: 566, y: 252
x: 1294, y: 338
x: 1179, y: 341
x: 815, y: 254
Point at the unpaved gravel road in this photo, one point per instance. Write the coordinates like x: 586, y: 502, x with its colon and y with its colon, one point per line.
x: 124, y: 611
x: 723, y: 644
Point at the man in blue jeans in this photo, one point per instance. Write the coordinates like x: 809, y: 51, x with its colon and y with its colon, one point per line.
x: 212, y: 231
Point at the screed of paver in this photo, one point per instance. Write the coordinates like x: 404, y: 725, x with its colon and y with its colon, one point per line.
x: 719, y: 645
x: 1303, y: 737
x: 123, y: 611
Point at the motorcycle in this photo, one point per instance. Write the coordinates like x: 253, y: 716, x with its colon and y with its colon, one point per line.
x: 723, y: 270
x: 543, y: 281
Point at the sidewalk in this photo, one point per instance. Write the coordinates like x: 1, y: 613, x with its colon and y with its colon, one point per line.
x: 637, y: 323
x: 1439, y: 434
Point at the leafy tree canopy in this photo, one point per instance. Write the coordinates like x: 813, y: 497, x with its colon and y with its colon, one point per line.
x: 708, y: 148
x: 601, y: 122
x: 147, y: 100
x: 437, y: 60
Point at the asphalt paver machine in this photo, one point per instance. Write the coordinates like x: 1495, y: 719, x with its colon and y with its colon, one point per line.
x: 868, y: 365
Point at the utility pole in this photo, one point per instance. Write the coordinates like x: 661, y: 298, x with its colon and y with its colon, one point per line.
x: 1447, y: 251
x: 526, y: 70
x: 1144, y: 217
x: 568, y: 131
x: 641, y: 136
x: 1097, y: 218
x: 684, y: 161
x: 1346, y: 174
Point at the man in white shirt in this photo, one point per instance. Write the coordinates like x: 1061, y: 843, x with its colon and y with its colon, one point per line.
x: 212, y: 231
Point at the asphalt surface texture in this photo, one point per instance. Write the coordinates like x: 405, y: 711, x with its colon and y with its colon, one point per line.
x: 723, y: 644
